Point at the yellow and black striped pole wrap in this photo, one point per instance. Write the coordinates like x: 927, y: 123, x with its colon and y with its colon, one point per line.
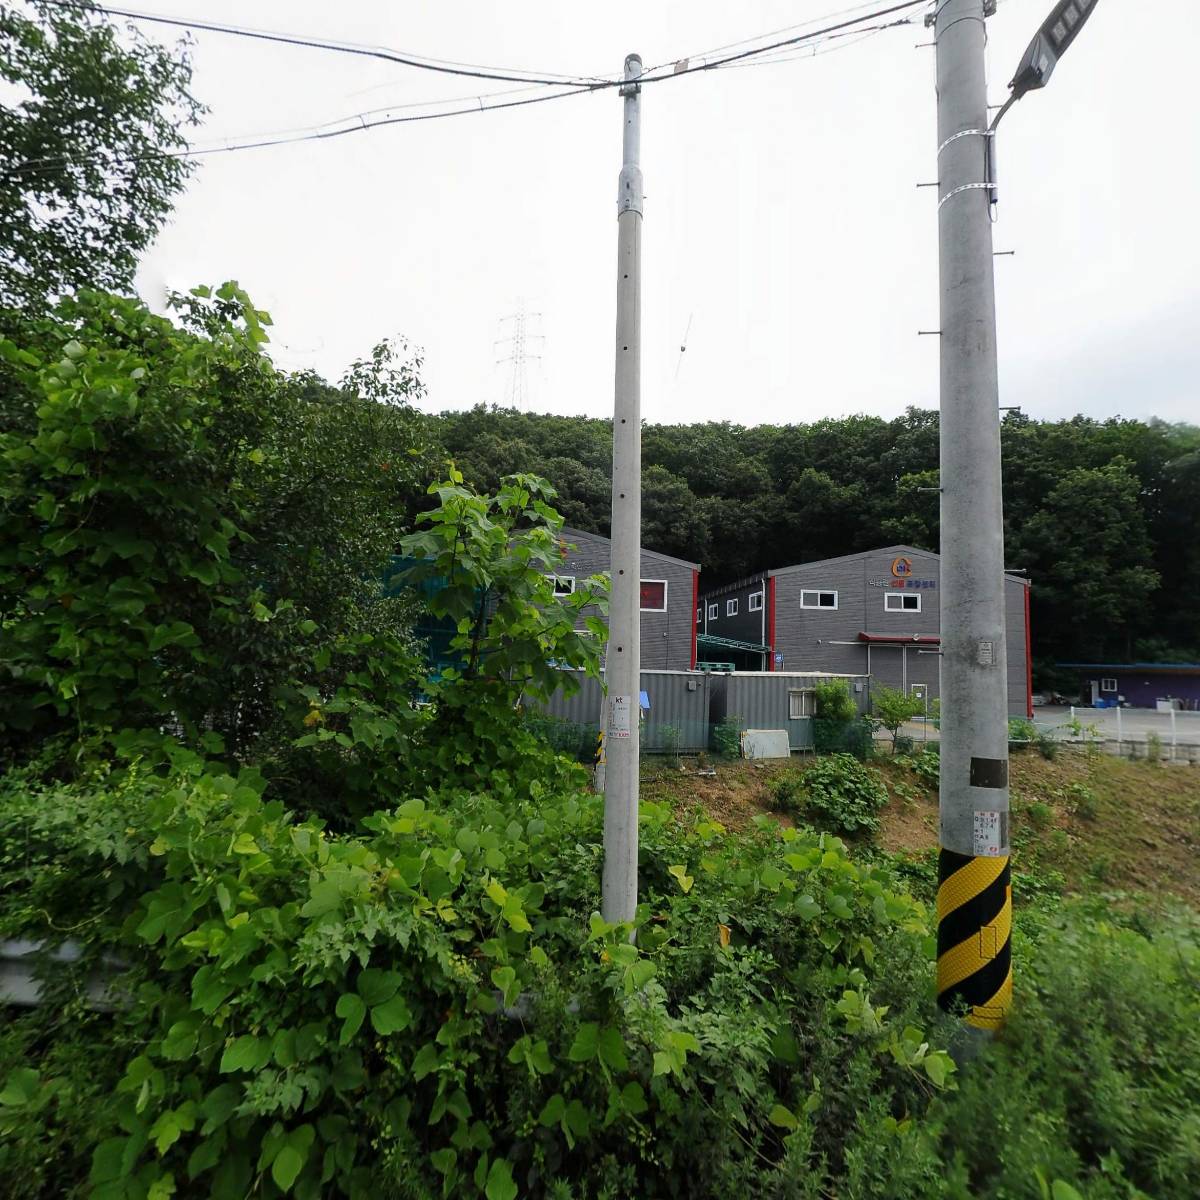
x: 974, y: 944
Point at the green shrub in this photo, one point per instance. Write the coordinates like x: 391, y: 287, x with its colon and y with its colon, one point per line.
x: 432, y: 1007
x: 834, y: 701
x: 927, y: 764
x: 1047, y: 746
x: 1094, y: 1080
x: 1039, y: 814
x: 1022, y: 733
x: 727, y: 737
x: 1082, y: 801
x: 844, y: 792
x: 844, y: 737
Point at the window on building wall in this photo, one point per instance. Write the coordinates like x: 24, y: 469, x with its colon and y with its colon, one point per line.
x: 654, y: 595
x: 731, y: 607
x: 1108, y: 685
x: 699, y: 615
x: 902, y: 602
x: 818, y: 599
x: 756, y: 601
x: 802, y: 703
x: 712, y: 612
x: 564, y: 585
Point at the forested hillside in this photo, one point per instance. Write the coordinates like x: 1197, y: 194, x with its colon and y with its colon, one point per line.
x: 1100, y: 513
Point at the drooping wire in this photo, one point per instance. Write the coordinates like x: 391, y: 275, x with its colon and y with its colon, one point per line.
x: 358, y: 123
x: 381, y: 52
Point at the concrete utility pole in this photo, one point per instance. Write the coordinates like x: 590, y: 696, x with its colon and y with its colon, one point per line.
x: 974, y: 966
x: 623, y: 661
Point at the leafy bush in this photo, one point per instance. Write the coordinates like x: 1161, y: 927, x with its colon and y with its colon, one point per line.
x: 834, y: 701
x: 839, y: 788
x: 727, y: 737
x: 927, y: 764
x: 1094, y: 1081
x: 1022, y: 733
x: 428, y: 1008
x: 893, y: 709
x: 844, y: 737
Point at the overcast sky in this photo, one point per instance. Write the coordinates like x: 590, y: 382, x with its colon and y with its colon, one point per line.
x: 782, y: 217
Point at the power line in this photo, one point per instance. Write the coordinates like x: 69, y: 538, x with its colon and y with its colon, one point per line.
x: 358, y: 123
x: 293, y: 39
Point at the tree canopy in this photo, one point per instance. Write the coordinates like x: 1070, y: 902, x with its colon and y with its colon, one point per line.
x: 88, y: 169
x: 1100, y: 513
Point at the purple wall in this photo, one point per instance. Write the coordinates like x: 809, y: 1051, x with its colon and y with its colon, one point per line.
x: 1142, y: 687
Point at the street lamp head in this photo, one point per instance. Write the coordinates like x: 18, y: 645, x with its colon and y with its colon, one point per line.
x: 1049, y: 44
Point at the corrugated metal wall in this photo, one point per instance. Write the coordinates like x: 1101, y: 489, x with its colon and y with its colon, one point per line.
x: 679, y: 699
x: 759, y: 699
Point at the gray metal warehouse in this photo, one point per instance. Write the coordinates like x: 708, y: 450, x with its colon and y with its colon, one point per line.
x: 669, y: 590
x: 874, y: 613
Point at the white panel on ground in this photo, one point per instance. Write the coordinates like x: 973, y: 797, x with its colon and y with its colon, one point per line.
x: 765, y: 743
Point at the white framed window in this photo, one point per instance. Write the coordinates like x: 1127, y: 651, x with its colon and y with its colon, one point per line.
x: 902, y: 602
x: 712, y: 612
x: 802, y: 703
x: 654, y: 595
x: 756, y: 602
x: 699, y: 615
x: 1108, y: 685
x: 731, y: 607
x: 817, y: 599
x: 564, y: 585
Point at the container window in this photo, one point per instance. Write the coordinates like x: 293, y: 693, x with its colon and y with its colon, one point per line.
x: 756, y: 601
x: 712, y: 612
x: 731, y: 608
x: 1108, y: 685
x: 564, y: 585
x: 902, y: 602
x: 802, y: 703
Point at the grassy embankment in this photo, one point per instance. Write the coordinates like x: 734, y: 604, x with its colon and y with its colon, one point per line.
x: 1102, y: 823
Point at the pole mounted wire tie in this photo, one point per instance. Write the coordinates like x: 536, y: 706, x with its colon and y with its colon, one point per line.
x: 929, y: 333
x: 965, y: 133
x: 965, y: 187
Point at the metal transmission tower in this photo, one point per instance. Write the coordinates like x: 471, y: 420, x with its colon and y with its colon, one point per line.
x: 517, y: 392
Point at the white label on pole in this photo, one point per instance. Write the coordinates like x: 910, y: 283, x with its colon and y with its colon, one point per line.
x: 987, y: 654
x: 989, y: 838
x: 619, y: 709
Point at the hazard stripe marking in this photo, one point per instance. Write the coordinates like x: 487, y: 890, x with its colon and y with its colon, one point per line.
x: 974, y: 966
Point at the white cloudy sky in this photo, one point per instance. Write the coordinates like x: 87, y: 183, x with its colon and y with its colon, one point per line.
x: 782, y: 217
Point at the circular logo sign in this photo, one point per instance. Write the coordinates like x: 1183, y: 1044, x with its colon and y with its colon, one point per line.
x: 901, y: 567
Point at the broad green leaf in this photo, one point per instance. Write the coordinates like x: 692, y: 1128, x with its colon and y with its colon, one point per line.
x: 353, y: 1011
x: 500, y: 1185
x: 391, y: 1017
x: 1061, y: 1190
x: 246, y: 1053
x: 684, y: 880
x: 783, y: 1117
x: 325, y: 897
x: 553, y: 1110
x: 244, y: 843
x: 586, y: 1043
x: 376, y: 986
x: 20, y: 1087
x: 288, y: 1164
x: 612, y: 1048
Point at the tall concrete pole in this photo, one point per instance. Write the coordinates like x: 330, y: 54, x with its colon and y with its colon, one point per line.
x: 623, y: 661
x: 974, y: 971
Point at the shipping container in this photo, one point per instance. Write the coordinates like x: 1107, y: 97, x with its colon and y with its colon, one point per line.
x: 778, y: 700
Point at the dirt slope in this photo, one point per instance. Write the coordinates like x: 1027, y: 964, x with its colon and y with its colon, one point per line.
x: 1100, y: 821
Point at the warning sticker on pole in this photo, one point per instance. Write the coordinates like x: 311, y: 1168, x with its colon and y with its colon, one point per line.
x: 991, y: 834
x: 987, y: 654
x: 619, y: 710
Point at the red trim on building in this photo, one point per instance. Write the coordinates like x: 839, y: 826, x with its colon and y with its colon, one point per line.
x: 695, y: 605
x: 771, y: 621
x: 1028, y: 659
